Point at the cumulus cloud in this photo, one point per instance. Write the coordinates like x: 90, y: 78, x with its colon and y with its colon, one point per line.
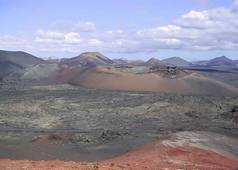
x: 57, y: 37
x: 214, y: 29
x: 64, y: 41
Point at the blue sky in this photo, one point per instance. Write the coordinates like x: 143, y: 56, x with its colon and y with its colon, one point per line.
x: 135, y: 29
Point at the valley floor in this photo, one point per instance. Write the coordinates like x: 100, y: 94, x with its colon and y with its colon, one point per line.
x: 40, y: 121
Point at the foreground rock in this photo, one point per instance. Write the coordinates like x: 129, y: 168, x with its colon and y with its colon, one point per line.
x: 185, y: 150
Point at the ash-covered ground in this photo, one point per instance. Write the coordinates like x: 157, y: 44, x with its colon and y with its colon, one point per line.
x: 58, y: 121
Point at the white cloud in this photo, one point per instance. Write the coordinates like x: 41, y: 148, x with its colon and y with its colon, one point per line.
x: 218, y: 18
x: 215, y: 29
x: 198, y: 30
x: 49, y: 36
x: 64, y: 41
x: 196, y: 15
x: 72, y: 37
x: 57, y: 37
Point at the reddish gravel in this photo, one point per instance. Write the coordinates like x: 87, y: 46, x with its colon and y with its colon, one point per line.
x: 68, y: 73
x: 155, y: 156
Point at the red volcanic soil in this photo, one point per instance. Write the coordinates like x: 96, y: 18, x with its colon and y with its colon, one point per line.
x: 155, y: 156
x: 67, y: 73
x: 107, y: 78
x: 158, y: 156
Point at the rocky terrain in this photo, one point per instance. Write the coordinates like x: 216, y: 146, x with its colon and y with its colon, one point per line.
x: 44, y: 115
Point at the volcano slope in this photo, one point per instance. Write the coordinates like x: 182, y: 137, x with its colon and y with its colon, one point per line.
x: 184, y: 150
x: 182, y: 82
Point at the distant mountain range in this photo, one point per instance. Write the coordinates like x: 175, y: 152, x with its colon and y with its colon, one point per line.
x: 177, y: 61
x: 18, y: 61
x: 22, y: 59
x: 94, y: 70
x: 215, y: 62
x: 219, y: 61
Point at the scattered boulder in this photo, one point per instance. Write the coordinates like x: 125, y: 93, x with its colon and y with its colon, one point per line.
x: 234, y: 112
x: 192, y: 114
x: 109, y: 135
x: 235, y: 109
x: 62, y: 138
x: 55, y: 137
x: 79, y: 138
x: 50, y: 138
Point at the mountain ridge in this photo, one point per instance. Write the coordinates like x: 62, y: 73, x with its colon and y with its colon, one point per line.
x: 20, y: 58
x: 177, y: 61
x: 88, y: 59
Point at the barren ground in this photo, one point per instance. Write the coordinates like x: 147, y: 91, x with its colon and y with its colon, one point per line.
x: 39, y: 121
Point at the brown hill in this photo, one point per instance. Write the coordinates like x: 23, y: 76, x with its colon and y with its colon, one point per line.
x: 154, y: 62
x: 108, y: 78
x: 88, y: 59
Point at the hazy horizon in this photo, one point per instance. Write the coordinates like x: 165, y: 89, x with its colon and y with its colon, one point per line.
x: 125, y: 58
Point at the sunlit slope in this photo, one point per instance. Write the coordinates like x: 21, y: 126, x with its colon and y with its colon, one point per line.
x: 110, y: 79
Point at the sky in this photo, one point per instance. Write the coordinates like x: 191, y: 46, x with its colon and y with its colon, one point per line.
x: 132, y: 29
